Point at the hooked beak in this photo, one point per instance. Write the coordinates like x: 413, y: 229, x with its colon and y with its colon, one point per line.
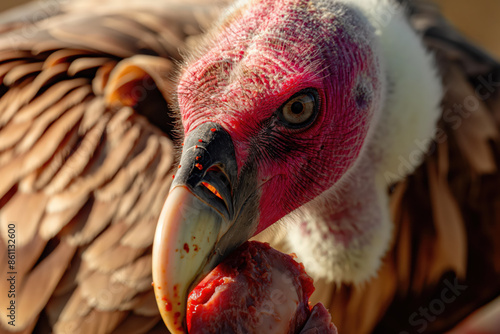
x: 207, y: 214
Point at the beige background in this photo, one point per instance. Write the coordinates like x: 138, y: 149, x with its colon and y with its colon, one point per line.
x: 479, y: 19
x: 4, y: 4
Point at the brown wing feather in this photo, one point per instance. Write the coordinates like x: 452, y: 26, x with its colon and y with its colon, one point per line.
x: 85, y: 160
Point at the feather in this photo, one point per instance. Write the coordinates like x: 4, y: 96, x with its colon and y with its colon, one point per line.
x: 45, y: 78
x: 129, y: 199
x: 67, y: 307
x: 15, y: 211
x: 68, y: 283
x: 53, y: 222
x: 41, y: 282
x: 30, y: 254
x: 141, y: 234
x: 148, y: 37
x: 85, y: 226
x: 101, y: 78
x: 100, y: 38
x: 12, y: 133
x: 42, y: 150
x: 116, y: 257
x: 144, y: 152
x: 105, y: 241
x: 136, y: 324
x: 450, y: 245
x: 94, y: 112
x: 402, y: 242
x: 63, y: 56
x: 93, y: 322
x: 12, y: 101
x: 47, y: 144
x: 53, y: 94
x: 135, y: 71
x: 7, y: 67
x: 144, y: 304
x: 80, y: 191
x: 473, y: 143
x: 21, y: 71
x: 101, y: 293
x: 81, y: 146
x: 41, y: 124
x: 84, y: 64
x: 11, y: 55
x: 80, y: 158
x: 135, y: 273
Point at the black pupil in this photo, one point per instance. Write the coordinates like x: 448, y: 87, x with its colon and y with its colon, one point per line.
x: 297, y: 107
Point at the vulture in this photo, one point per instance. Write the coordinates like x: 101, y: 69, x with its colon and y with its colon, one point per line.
x: 142, y: 142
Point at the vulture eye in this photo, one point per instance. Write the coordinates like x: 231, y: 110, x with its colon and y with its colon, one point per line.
x: 300, y: 110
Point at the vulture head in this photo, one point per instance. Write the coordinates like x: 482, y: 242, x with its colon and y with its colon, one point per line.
x: 296, y: 112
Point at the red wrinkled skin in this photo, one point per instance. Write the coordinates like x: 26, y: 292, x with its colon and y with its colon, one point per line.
x: 231, y: 297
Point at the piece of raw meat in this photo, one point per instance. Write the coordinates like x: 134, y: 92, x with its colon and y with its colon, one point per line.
x: 256, y: 289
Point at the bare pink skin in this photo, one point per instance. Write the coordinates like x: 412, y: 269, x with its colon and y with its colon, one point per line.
x: 257, y: 63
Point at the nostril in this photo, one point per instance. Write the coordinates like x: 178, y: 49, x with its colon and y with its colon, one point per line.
x: 215, y: 177
x: 217, y: 201
x: 215, y: 187
x: 212, y: 189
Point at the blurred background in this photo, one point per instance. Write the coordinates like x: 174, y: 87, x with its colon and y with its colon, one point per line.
x: 479, y: 20
x: 6, y: 4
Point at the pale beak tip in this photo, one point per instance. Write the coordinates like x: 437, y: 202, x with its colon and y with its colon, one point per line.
x: 185, y: 238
